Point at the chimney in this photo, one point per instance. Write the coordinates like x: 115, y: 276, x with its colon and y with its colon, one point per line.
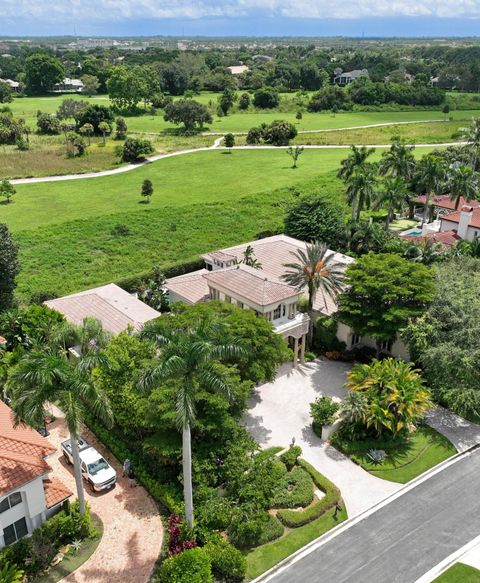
x: 465, y: 218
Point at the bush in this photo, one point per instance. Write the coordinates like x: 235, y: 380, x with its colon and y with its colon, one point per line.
x: 297, y: 490
x: 323, y: 412
x: 289, y: 458
x: 191, y: 566
x: 229, y: 140
x: 95, y: 115
x: 228, y: 563
x: 279, y: 133
x: 266, y: 98
x: 47, y: 123
x: 254, y: 136
x: 136, y: 149
x: 214, y: 513
x: 250, y: 527
x: 294, y: 519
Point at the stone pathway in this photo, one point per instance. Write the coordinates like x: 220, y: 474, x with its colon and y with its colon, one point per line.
x: 462, y: 433
x: 280, y: 411
x: 133, y: 531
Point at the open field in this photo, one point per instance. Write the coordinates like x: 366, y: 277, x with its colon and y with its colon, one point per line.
x: 202, y: 201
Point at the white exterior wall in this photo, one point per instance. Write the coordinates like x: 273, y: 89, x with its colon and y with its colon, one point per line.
x: 33, y: 507
x: 345, y: 334
x: 472, y: 232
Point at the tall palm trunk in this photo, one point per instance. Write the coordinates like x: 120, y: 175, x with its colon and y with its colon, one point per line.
x: 425, y: 208
x: 77, y: 471
x: 187, y: 473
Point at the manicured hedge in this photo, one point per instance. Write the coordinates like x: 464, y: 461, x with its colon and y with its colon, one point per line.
x: 167, y: 494
x: 293, y: 519
x: 302, y: 490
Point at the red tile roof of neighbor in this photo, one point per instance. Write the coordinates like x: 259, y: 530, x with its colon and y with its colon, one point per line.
x: 22, y: 452
x: 447, y: 238
x: 55, y: 492
x: 445, y: 202
x: 455, y: 217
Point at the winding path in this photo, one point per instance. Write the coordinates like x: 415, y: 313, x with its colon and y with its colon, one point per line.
x: 216, y: 146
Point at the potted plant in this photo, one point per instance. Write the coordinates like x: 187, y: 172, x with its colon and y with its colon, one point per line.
x: 323, y: 411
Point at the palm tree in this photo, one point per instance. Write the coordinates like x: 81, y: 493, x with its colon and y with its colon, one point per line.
x: 393, y: 196
x: 315, y: 269
x: 399, y: 161
x: 358, y: 156
x: 430, y: 177
x: 428, y: 251
x: 462, y: 181
x: 361, y: 188
x: 49, y: 374
x: 472, y: 136
x: 250, y: 259
x: 189, y: 356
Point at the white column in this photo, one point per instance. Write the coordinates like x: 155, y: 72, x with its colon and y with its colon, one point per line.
x: 295, y: 353
x: 302, y: 350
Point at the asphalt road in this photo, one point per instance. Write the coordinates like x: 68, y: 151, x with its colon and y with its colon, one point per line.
x: 406, y: 538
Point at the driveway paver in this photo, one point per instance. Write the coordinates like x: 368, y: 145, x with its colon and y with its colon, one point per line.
x: 132, y: 537
x: 280, y: 410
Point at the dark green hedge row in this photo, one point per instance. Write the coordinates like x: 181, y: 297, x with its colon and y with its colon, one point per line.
x: 132, y: 284
x: 294, y: 519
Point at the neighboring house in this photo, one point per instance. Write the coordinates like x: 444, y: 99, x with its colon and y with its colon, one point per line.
x: 225, y: 277
x: 115, y: 308
x: 440, y: 205
x: 464, y: 223
x: 348, y: 77
x: 68, y: 85
x: 14, y: 85
x: 28, y: 495
x: 238, y: 69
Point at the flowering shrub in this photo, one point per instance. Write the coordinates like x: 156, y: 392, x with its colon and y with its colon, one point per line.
x: 176, y: 541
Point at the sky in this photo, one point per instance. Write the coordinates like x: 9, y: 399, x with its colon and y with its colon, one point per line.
x: 240, y: 17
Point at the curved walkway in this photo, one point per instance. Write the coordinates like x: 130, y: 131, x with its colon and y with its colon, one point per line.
x: 133, y: 532
x: 216, y: 146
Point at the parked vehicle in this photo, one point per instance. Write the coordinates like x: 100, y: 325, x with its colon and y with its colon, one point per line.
x: 95, y: 469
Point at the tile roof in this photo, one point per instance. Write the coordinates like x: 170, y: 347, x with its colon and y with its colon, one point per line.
x: 115, y: 308
x: 251, y: 284
x: 192, y: 287
x: 455, y: 217
x: 22, y: 452
x: 447, y: 238
x: 444, y: 202
x: 55, y: 492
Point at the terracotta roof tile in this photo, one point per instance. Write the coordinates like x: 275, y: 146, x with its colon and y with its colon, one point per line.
x: 55, y: 491
x: 17, y: 469
x: 192, y: 287
x: 251, y: 284
x: 444, y: 202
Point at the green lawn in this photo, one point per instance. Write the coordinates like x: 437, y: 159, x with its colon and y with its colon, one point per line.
x: 402, y: 225
x: 459, y: 573
x: 424, y: 449
x: 262, y: 558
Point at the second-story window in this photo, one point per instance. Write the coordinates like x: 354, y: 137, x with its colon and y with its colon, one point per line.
x: 10, y: 501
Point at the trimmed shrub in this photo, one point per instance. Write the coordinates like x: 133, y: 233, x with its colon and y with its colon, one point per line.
x: 323, y: 412
x: 289, y: 458
x: 294, y: 519
x: 191, y: 566
x: 297, y: 490
x: 228, y: 563
x: 136, y: 149
x: 250, y: 528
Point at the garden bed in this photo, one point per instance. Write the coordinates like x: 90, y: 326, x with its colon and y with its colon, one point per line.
x: 406, y: 459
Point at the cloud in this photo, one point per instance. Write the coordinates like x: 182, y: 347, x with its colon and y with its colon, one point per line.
x: 123, y: 10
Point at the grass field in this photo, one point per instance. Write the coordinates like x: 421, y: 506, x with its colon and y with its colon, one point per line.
x: 262, y: 558
x: 459, y: 573
x: 424, y: 449
x: 202, y: 201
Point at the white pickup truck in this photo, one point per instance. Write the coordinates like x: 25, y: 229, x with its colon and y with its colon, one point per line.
x: 95, y: 469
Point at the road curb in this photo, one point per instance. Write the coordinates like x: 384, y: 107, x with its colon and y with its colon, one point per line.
x: 347, y: 524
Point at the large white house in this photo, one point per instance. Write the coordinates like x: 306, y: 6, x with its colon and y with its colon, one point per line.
x: 28, y: 494
x: 263, y: 290
x: 465, y: 223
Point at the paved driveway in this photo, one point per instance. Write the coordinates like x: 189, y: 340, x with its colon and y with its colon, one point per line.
x: 133, y: 531
x: 405, y: 538
x: 281, y: 410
